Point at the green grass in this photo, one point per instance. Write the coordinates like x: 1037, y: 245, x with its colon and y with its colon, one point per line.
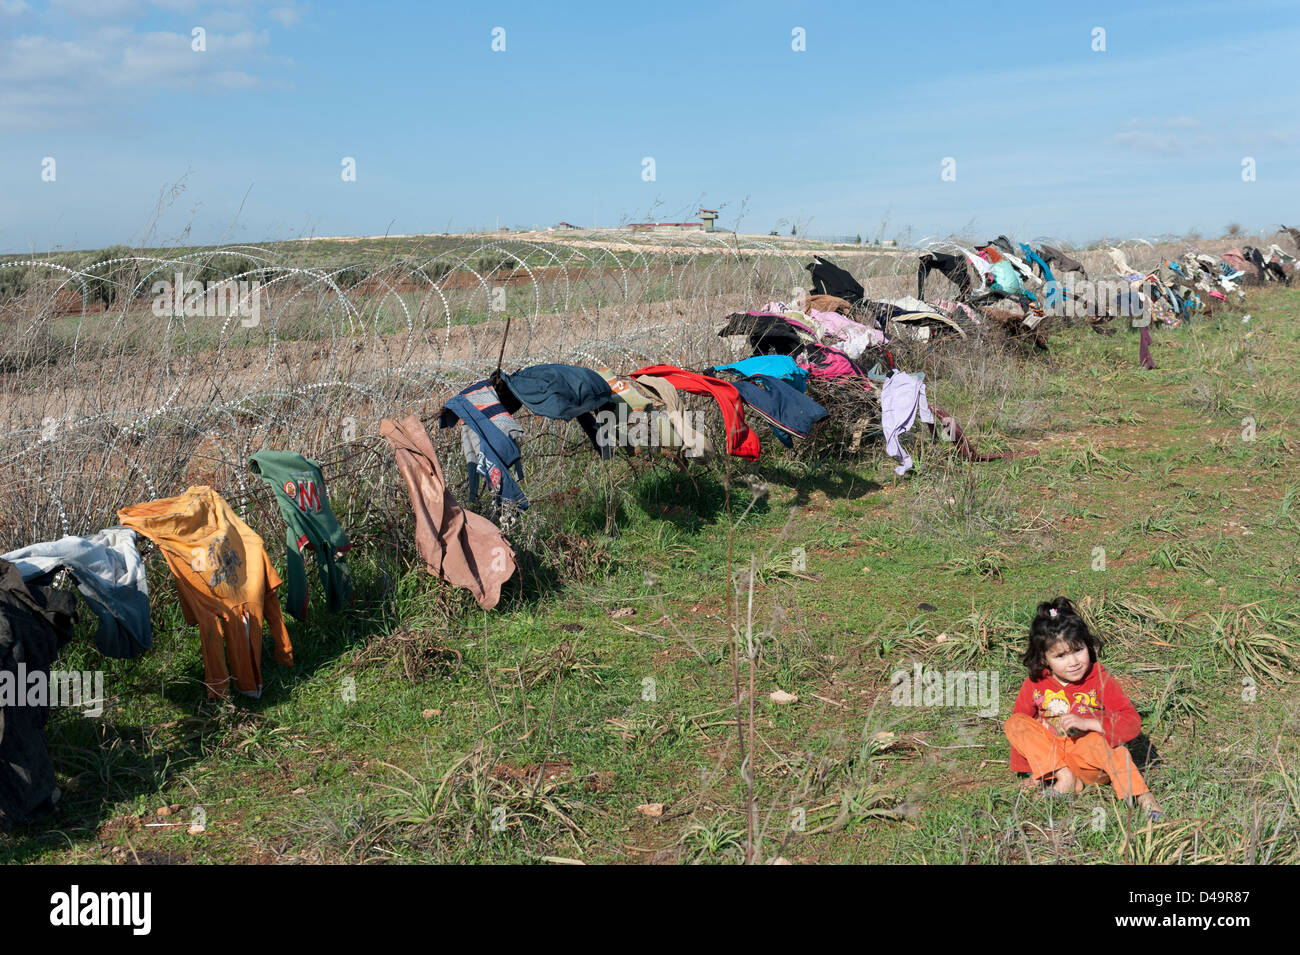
x: 418, y: 728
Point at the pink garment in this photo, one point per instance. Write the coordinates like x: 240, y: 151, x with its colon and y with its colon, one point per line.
x: 852, y: 337
x: 951, y: 308
x: 826, y: 361
x: 1144, y: 349
x: 833, y: 323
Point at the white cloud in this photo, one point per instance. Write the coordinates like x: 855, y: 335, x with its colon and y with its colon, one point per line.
x: 166, y: 60
x: 1281, y: 137
x: 13, y: 7
x: 1166, y: 144
x: 96, y: 9
x: 287, y: 16
x: 47, y: 81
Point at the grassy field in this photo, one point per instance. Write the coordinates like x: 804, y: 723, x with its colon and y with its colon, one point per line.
x: 594, y: 715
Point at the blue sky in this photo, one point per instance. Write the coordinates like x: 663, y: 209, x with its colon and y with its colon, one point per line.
x: 154, y: 142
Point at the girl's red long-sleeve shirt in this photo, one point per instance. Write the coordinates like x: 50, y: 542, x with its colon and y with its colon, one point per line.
x: 1097, y: 696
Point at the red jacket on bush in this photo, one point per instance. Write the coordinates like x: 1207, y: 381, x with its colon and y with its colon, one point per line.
x: 741, y: 441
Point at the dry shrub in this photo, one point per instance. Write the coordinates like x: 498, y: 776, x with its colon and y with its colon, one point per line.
x: 479, y: 794
x: 554, y: 665
x: 576, y: 557
x: 852, y: 425
x: 1132, y: 619
x: 954, y: 499
x: 413, y: 655
x: 1263, y: 642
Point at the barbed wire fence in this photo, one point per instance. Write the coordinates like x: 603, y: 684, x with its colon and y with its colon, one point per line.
x: 121, y: 383
x: 119, y: 386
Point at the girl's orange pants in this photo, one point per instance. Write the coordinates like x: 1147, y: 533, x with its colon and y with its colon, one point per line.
x: 1089, y: 756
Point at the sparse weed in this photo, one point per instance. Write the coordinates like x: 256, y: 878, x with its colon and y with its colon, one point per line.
x: 1262, y: 643
x: 988, y: 562
x: 1185, y: 555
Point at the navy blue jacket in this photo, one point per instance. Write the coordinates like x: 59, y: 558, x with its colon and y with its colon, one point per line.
x: 564, y: 392
x: 560, y: 391
x: 786, y: 408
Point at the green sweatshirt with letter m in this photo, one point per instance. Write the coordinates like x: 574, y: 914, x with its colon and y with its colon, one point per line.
x: 300, y: 491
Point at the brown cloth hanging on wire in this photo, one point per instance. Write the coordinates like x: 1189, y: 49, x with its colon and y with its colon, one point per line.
x: 463, y: 548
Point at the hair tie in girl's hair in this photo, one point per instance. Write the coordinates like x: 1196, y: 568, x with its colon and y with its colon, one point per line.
x: 1053, y: 613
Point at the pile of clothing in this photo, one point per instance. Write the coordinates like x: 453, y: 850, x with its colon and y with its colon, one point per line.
x: 1019, y: 288
x: 831, y: 334
x: 641, y: 413
x: 999, y: 283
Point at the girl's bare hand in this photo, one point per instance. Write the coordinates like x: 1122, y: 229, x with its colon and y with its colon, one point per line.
x: 1072, y: 721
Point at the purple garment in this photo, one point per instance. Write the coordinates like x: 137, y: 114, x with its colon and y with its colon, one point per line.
x: 901, y: 397
x: 1144, y: 349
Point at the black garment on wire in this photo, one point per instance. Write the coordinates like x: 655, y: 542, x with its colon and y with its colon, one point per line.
x: 36, y: 620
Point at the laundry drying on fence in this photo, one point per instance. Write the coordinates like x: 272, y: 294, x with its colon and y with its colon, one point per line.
x: 36, y: 620
x: 950, y: 265
x: 109, y: 573
x: 790, y: 412
x: 1022, y: 293
x: 828, y: 303
x: 490, y: 440
x: 806, y: 356
x: 696, y: 445
x: 829, y: 362
x: 636, y: 423
x: 776, y: 366
x: 225, y: 580
x: 829, y: 279
x: 458, y: 546
x: 310, y: 524
x: 741, y: 441
x: 841, y: 333
x: 902, y: 398
x: 782, y: 338
x: 769, y: 333
x: 563, y: 392
x: 853, y: 338
x: 1063, y: 262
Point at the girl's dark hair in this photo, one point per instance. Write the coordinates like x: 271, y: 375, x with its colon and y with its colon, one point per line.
x: 1057, y: 620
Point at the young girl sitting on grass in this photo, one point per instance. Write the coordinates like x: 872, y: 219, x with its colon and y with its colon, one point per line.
x: 1071, y: 718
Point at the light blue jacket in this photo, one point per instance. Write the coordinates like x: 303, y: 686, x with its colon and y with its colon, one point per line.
x: 109, y: 572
